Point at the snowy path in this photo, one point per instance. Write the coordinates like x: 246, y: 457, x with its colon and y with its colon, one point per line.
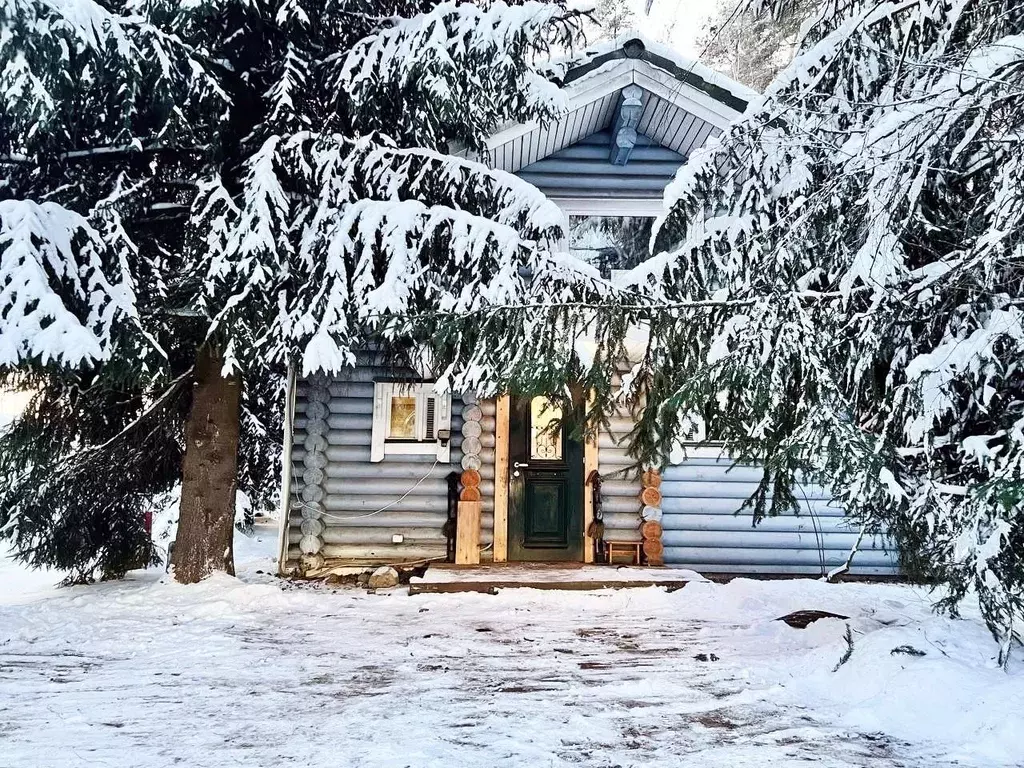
x: 262, y: 674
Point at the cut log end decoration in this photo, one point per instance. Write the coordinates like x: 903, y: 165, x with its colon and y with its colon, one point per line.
x: 653, y: 548
x: 311, y: 527
x: 471, y: 447
x: 314, y: 476
x: 651, y: 497
x: 651, y: 530
x: 651, y: 513
x: 311, y: 562
x: 651, y: 479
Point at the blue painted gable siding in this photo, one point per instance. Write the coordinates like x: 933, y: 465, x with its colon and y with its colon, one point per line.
x: 583, y: 170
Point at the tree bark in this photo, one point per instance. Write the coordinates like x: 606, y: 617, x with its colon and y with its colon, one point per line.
x: 204, y: 542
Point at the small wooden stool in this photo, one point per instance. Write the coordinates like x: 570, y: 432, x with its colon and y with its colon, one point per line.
x: 621, y: 548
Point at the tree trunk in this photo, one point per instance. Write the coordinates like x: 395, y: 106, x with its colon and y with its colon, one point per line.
x: 209, y: 474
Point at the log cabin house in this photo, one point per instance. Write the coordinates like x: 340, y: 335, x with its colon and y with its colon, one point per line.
x: 382, y: 469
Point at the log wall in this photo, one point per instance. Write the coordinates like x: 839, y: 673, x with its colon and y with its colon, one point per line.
x: 336, y: 491
x: 620, y: 481
x: 704, y: 529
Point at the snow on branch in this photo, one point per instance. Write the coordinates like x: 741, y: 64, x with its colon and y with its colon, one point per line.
x: 55, y: 51
x: 37, y: 38
x: 941, y: 371
x: 57, y: 303
x: 365, y: 233
x: 377, y: 261
x: 389, y: 172
x: 886, y: 166
x: 448, y: 56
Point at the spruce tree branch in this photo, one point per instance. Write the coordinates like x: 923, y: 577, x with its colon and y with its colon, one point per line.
x: 835, y: 573
x: 133, y: 148
x: 156, y: 404
x: 807, y: 296
x: 90, y: 450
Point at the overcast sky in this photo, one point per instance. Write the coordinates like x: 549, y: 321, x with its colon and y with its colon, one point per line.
x: 674, y: 22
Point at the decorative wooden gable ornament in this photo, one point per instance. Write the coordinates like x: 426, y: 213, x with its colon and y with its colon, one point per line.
x: 624, y: 132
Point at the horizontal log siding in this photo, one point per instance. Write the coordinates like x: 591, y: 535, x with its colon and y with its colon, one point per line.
x: 583, y: 170
x: 356, y: 487
x: 620, y: 481
x: 704, y: 529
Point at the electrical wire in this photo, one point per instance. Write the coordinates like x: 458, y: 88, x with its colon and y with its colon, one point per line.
x: 819, y: 537
x: 309, y: 505
x: 735, y: 12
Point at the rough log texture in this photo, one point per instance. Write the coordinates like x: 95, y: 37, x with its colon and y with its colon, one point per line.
x: 651, y: 497
x: 650, y: 529
x: 654, y: 549
x: 651, y: 479
x: 467, y: 542
x: 209, y: 474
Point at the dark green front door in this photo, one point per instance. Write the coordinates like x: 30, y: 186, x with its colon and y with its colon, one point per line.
x: 545, y: 510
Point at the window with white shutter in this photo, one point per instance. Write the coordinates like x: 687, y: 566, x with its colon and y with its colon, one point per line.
x: 410, y: 418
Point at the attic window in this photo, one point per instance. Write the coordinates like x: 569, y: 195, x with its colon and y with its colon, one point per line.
x: 410, y: 418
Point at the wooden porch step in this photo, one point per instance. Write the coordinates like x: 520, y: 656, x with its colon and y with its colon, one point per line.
x: 490, y: 578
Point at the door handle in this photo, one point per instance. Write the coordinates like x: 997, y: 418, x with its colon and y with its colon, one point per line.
x: 519, y: 464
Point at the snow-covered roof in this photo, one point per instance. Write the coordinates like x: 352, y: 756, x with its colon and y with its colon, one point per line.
x: 634, y: 45
x: 684, y: 102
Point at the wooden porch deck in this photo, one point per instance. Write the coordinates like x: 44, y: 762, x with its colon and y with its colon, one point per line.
x: 569, y: 576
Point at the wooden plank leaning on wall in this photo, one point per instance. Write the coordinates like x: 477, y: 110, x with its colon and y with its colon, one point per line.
x: 467, y: 539
x: 501, y: 479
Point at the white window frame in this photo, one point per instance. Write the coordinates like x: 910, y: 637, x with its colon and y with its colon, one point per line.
x: 437, y: 444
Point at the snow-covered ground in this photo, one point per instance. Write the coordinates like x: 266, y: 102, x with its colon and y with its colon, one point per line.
x: 257, y: 672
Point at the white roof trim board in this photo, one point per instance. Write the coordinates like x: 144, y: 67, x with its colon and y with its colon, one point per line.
x: 684, y: 102
x: 632, y: 44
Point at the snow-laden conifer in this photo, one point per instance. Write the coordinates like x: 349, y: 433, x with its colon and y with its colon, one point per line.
x: 197, y: 194
x: 859, y: 234
x: 836, y: 290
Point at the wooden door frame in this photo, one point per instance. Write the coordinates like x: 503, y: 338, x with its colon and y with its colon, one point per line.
x: 501, y: 481
x: 590, y: 465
